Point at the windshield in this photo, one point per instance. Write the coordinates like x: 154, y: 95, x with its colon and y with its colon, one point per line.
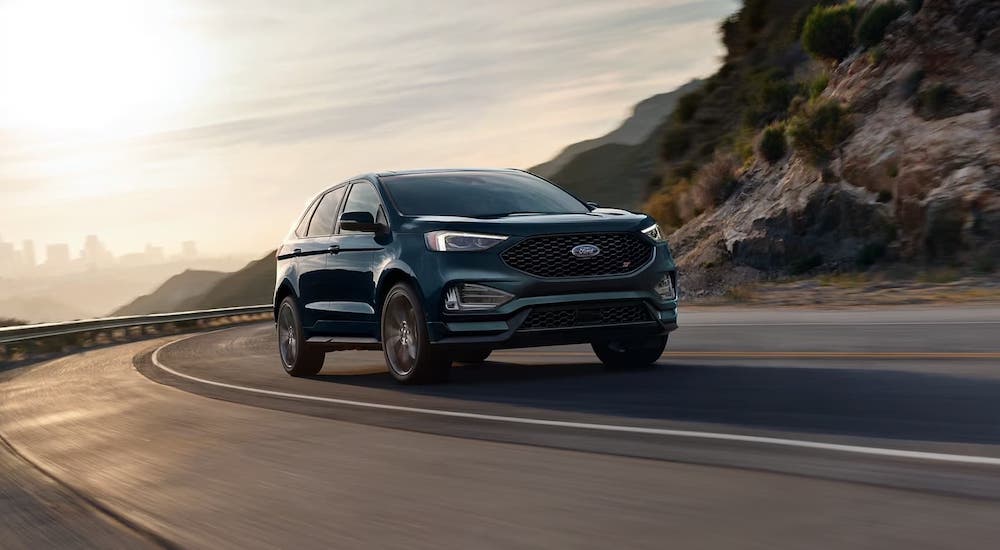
x: 478, y: 195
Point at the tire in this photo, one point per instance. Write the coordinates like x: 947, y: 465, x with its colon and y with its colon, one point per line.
x: 472, y: 356
x: 408, y: 353
x: 297, y: 357
x: 630, y: 353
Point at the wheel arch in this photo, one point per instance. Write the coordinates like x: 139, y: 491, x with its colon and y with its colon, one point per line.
x: 284, y: 290
x: 392, y: 275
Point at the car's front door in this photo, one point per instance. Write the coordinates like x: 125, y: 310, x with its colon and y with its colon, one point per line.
x: 313, y: 252
x: 351, y: 269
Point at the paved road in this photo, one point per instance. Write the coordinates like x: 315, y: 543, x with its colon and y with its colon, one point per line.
x: 770, y: 429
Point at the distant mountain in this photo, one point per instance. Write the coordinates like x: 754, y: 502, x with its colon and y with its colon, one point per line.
x: 39, y: 309
x: 614, y: 169
x: 172, y: 294
x: 250, y: 286
x: 194, y: 290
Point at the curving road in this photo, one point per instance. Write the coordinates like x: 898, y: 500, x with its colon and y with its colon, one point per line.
x: 784, y: 428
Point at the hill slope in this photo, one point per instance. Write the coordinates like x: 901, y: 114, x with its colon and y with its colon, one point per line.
x: 615, y: 169
x: 173, y: 293
x: 640, y: 125
x: 250, y: 286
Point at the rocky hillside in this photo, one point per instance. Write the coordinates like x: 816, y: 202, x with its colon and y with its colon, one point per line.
x: 615, y: 169
x: 871, y: 138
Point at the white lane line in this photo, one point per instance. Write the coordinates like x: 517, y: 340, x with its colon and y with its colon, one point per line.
x: 855, y: 449
x: 682, y: 323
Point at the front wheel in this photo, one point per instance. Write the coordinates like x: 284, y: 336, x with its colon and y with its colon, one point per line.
x: 297, y: 357
x: 630, y: 353
x: 408, y: 353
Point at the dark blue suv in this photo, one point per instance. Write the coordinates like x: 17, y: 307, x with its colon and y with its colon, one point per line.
x: 443, y: 266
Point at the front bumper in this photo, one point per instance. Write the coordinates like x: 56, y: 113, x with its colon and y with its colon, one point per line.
x: 507, y: 329
x: 503, y: 327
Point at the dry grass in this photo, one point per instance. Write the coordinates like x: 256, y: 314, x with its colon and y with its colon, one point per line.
x: 845, y: 280
x: 939, y: 276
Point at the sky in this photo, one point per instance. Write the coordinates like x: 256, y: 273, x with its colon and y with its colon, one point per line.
x: 169, y: 120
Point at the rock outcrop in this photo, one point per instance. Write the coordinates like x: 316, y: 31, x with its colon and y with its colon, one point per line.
x: 917, y: 181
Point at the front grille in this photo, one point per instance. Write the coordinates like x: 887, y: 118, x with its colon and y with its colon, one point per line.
x: 551, y: 256
x: 585, y: 316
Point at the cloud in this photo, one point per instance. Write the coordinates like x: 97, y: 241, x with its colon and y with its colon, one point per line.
x: 304, y: 91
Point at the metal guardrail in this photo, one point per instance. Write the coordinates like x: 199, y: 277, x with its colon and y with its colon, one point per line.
x: 15, y: 334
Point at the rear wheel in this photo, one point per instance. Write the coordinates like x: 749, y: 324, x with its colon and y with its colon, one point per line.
x: 473, y: 356
x: 408, y: 353
x: 297, y: 357
x: 636, y: 353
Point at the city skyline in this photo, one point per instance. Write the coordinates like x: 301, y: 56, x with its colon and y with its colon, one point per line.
x: 18, y: 259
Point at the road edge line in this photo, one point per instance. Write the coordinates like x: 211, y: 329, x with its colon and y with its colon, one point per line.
x: 715, y: 436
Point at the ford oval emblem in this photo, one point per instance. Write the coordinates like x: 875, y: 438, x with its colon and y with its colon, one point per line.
x: 584, y: 251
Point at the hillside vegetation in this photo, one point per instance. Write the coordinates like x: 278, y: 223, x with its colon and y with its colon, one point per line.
x: 838, y: 137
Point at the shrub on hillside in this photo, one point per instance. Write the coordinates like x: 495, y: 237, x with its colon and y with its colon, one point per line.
x: 940, y: 100
x: 817, y: 85
x: 872, y: 27
x: 676, y: 141
x: 829, y: 31
x: 767, y: 97
x: 870, y: 254
x: 715, y: 181
x: 772, y: 146
x: 911, y: 82
x: 687, y: 106
x: 819, y: 130
x: 672, y: 206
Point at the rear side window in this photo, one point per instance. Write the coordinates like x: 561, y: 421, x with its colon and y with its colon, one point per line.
x: 300, y: 230
x: 326, y: 213
x: 363, y: 198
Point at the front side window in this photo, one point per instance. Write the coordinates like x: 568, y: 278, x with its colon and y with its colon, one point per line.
x: 325, y: 217
x: 363, y: 198
x: 478, y: 195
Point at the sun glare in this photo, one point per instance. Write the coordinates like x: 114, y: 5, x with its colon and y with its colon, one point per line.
x: 97, y: 66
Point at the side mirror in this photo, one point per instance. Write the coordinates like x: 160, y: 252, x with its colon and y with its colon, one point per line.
x: 359, y: 221
x: 592, y: 205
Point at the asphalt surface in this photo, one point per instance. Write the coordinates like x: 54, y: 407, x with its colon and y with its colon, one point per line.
x: 769, y: 429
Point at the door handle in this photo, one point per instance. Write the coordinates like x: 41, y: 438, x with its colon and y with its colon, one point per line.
x: 297, y: 252
x: 334, y: 248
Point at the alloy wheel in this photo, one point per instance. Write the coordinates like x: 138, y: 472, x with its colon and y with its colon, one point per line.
x: 401, y: 337
x: 287, y: 336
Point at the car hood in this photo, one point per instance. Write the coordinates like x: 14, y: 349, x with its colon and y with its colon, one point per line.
x: 602, y: 220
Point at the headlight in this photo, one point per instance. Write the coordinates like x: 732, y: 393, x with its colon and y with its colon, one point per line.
x: 654, y: 233
x: 452, y: 241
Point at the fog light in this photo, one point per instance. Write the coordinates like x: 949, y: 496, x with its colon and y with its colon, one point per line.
x: 665, y: 288
x: 473, y: 297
